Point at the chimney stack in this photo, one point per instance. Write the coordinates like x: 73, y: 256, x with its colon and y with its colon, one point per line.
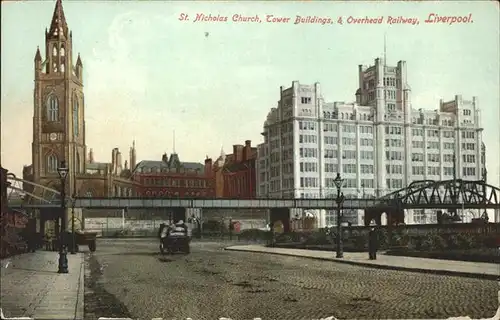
x: 247, y: 152
x: 118, y: 162
x: 91, y: 156
x: 114, y: 156
x: 132, y: 155
x: 208, y: 167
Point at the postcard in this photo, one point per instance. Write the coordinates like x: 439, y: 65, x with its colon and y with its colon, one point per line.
x: 250, y: 160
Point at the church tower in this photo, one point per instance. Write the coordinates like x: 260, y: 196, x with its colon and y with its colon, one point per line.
x: 58, y: 119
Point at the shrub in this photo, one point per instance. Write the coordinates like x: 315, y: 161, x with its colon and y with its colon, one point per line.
x: 466, y: 241
x: 490, y: 241
x: 453, y: 241
x: 383, y: 238
x: 284, y: 238
x: 360, y: 242
x: 254, y: 234
x: 433, y: 242
x: 318, y: 238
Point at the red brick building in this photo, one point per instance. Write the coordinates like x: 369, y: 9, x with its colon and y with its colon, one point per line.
x: 235, y: 173
x: 171, y: 178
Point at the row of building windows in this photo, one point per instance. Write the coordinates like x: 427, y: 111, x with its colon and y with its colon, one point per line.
x: 468, y: 146
x: 393, y: 155
x: 330, y: 140
x: 307, y: 125
x: 366, y: 168
x: 391, y: 82
x: 348, y: 154
x: 349, y: 168
x: 169, y: 182
x: 393, y: 142
x: 331, y: 167
x: 366, y: 142
x: 308, y: 182
x: 394, y: 183
x: 349, y: 141
x: 432, y: 133
x: 330, y: 127
x: 308, y: 138
x: 305, y: 100
x: 390, y: 94
x: 308, y: 152
x: 347, y: 116
x: 330, y: 154
x: 348, y: 128
x: 393, y: 130
x: 308, y: 167
x: 395, y: 169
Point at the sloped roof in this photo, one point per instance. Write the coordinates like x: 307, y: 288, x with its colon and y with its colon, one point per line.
x: 172, y: 162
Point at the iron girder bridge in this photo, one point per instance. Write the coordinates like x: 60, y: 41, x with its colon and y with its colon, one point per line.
x: 445, y: 194
x: 424, y: 194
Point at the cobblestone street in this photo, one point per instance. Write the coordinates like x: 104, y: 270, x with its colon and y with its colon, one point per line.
x: 130, y: 278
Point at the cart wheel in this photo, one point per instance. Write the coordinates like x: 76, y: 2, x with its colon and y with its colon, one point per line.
x: 92, y: 246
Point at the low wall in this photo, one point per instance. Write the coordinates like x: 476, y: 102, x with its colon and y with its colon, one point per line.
x: 110, y: 225
x: 420, y: 229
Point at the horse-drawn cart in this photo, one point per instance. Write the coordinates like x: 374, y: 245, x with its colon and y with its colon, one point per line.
x: 81, y: 238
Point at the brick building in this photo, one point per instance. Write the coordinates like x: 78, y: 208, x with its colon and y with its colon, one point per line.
x: 171, y: 178
x: 235, y: 173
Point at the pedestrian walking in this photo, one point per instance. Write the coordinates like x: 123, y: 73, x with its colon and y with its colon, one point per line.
x: 372, y: 244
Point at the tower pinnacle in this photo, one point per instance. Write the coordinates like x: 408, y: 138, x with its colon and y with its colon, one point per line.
x: 58, y: 26
x: 38, y: 56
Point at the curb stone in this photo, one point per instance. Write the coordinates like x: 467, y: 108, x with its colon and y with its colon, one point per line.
x: 378, y: 266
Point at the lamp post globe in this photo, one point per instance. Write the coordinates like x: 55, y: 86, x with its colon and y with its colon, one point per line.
x: 63, y: 170
x: 339, y: 200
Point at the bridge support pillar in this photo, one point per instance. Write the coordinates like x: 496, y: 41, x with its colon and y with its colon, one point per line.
x: 280, y: 214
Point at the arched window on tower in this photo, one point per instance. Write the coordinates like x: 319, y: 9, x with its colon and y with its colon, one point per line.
x: 62, y: 67
x: 54, y: 67
x: 78, y: 164
x: 51, y: 163
x: 54, y: 51
x: 62, y: 52
x: 52, y: 108
x: 76, y: 110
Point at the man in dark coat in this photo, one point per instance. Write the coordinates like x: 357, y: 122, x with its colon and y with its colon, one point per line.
x: 372, y: 244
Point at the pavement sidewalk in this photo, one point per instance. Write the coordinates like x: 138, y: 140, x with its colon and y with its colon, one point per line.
x: 436, y: 266
x: 31, y: 286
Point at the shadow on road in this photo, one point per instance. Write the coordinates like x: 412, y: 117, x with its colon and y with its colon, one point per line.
x: 99, y: 302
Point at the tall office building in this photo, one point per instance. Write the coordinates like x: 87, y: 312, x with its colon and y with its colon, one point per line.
x: 378, y: 144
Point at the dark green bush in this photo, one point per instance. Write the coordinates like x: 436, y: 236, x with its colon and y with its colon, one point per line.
x: 254, y: 234
x: 433, y: 242
x: 360, y: 242
x: 453, y: 241
x: 319, y: 237
x: 466, y: 241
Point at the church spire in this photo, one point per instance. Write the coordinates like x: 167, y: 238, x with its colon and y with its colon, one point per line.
x: 79, y: 61
x: 58, y: 26
x: 38, y: 56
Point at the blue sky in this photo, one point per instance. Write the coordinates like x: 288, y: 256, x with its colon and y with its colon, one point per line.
x: 146, y: 73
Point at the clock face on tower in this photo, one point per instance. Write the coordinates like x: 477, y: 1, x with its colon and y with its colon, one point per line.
x: 53, y: 136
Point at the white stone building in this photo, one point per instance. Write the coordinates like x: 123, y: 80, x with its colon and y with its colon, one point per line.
x: 378, y: 144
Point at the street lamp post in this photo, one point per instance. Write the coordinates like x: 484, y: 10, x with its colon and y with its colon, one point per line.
x: 340, y: 199
x: 73, y: 244
x: 62, y: 170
